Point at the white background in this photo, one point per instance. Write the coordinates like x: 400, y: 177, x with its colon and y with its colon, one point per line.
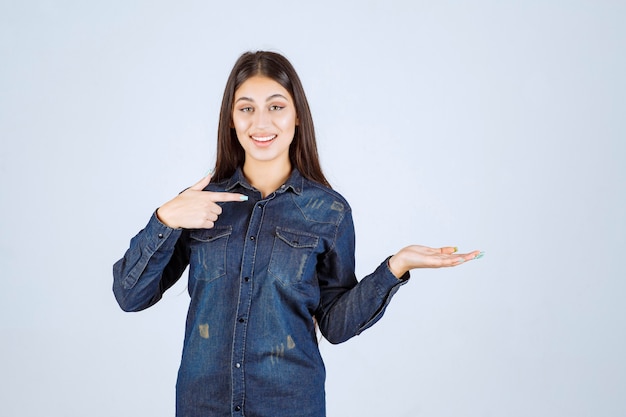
x: 485, y: 124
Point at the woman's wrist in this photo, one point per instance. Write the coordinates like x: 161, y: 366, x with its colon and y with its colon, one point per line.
x: 159, y: 216
x: 396, y: 266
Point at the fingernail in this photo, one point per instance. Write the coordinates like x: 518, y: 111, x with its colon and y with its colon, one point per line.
x: 456, y: 249
x: 480, y: 255
x: 244, y: 198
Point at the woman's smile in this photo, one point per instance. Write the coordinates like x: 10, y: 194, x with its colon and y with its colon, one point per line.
x: 263, y: 140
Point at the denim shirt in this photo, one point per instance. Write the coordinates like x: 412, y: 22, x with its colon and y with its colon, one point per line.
x: 259, y: 281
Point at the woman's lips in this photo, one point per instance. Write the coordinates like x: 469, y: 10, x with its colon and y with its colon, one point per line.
x: 263, y: 140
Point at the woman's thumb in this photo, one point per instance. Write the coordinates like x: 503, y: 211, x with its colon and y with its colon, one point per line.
x: 201, y: 185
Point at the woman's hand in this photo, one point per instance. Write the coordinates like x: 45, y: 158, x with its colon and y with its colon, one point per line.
x: 416, y: 256
x: 195, y: 208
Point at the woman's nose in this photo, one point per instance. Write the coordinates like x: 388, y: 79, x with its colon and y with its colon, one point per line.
x: 262, y: 118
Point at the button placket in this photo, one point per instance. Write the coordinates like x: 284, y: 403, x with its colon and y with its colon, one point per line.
x: 243, y: 306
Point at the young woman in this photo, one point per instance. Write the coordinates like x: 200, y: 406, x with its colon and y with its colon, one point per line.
x: 270, y: 249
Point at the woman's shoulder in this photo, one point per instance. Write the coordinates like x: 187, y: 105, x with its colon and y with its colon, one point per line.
x: 324, y: 190
x: 322, y: 202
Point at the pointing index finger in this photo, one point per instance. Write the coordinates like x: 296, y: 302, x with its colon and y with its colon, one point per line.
x: 223, y: 197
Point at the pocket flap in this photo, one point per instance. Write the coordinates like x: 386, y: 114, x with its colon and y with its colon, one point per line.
x: 297, y: 239
x: 208, y: 235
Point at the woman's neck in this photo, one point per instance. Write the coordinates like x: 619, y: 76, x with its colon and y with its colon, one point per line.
x: 266, y: 177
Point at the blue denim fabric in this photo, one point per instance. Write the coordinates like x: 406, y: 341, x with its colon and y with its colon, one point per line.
x: 256, y: 280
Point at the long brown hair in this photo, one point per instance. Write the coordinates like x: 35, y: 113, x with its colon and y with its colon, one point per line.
x: 303, y: 150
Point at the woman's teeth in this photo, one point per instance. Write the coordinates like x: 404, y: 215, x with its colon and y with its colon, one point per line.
x: 263, y: 138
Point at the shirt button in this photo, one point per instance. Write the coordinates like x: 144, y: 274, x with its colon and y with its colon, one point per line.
x: 237, y: 365
x: 237, y: 408
x: 251, y: 237
x: 241, y: 320
x: 246, y: 279
x: 160, y: 235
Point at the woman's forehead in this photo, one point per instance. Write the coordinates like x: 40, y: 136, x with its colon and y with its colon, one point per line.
x: 261, y: 87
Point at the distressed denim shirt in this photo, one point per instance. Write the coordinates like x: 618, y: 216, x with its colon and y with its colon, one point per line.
x: 259, y: 281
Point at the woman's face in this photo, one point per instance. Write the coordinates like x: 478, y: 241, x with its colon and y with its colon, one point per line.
x: 264, y: 118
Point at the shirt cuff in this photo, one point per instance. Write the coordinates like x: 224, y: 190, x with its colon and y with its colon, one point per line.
x: 387, y: 283
x: 404, y: 277
x: 159, y: 235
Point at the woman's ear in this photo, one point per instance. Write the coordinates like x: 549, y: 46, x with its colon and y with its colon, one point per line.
x: 297, y: 121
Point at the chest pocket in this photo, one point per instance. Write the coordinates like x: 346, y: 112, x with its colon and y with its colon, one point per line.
x: 208, y: 252
x: 290, y: 253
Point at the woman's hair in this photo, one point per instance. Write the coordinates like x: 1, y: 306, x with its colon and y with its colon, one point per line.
x: 303, y: 150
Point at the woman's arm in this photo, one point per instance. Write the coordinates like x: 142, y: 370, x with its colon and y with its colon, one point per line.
x: 348, y: 307
x: 155, y: 260
x: 158, y: 255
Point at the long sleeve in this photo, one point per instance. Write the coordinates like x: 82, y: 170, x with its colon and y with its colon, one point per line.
x: 155, y: 260
x: 348, y: 307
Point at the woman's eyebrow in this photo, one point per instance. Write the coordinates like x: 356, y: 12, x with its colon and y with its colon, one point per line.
x: 277, y: 95
x: 244, y: 99
x: 273, y: 96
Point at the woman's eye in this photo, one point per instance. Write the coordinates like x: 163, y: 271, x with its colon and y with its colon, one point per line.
x: 246, y: 109
x: 276, y: 107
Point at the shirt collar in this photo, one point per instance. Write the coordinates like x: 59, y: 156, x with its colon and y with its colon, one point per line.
x: 295, y: 182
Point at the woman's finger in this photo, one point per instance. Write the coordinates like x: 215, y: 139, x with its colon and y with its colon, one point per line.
x: 448, y: 250
x: 201, y: 185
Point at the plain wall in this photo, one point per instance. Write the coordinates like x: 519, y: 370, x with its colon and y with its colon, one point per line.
x: 488, y: 125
